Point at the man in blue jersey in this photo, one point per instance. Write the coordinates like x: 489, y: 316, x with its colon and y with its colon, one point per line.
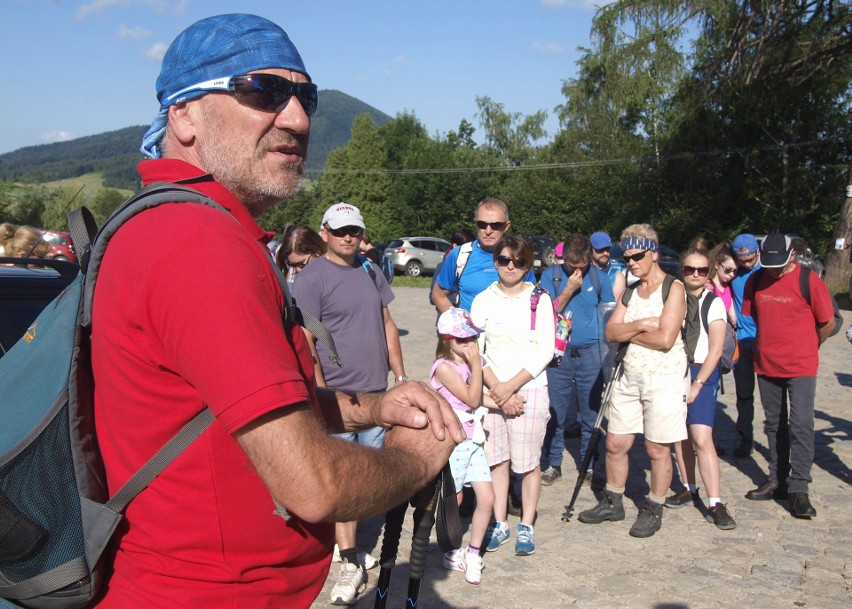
x: 478, y: 272
x: 746, y: 255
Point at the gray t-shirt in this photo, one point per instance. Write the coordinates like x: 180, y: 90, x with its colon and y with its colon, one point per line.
x: 349, y: 304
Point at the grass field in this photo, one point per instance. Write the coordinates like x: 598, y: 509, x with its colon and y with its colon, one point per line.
x: 90, y: 183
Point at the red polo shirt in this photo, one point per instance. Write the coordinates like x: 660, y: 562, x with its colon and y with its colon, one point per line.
x: 187, y: 312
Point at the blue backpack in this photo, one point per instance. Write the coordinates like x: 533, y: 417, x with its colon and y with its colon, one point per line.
x: 56, y: 519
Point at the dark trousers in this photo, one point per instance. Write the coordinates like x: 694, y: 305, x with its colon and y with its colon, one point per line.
x: 744, y: 381
x: 790, y: 435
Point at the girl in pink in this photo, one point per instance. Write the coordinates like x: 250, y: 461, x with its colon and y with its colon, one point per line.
x: 722, y: 271
x: 457, y: 376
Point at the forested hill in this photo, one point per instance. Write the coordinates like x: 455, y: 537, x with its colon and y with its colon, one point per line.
x: 116, y: 153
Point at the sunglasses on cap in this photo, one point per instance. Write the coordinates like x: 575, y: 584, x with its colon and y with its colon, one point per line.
x: 505, y: 260
x: 701, y: 270
x: 635, y: 257
x: 352, y: 231
x: 268, y: 92
x: 499, y: 226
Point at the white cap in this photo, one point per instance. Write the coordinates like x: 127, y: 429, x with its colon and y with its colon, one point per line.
x: 343, y: 214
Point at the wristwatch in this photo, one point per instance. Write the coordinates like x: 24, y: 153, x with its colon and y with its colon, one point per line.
x: 401, y: 378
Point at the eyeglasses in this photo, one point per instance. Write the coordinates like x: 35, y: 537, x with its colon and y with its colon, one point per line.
x: 498, y: 226
x: 466, y: 339
x: 343, y: 231
x: 635, y: 257
x: 701, y: 270
x: 268, y: 92
x: 505, y: 260
x: 302, y: 264
x: 728, y: 270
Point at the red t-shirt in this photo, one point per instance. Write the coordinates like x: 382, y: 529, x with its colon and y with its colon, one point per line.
x: 787, y: 343
x: 188, y: 312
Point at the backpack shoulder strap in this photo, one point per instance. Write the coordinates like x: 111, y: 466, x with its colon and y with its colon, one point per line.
x: 805, y: 283
x: 464, y: 255
x: 595, y: 279
x: 368, y: 268
x: 668, y: 280
x: 705, y: 309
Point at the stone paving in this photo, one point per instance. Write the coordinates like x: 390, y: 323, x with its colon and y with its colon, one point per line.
x: 770, y: 561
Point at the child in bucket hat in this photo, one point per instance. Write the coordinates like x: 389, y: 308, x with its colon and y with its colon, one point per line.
x: 457, y: 376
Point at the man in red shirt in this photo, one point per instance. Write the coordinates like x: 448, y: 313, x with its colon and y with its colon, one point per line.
x: 242, y: 517
x: 786, y: 359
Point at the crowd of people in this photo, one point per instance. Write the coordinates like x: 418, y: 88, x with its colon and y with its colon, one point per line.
x: 303, y: 439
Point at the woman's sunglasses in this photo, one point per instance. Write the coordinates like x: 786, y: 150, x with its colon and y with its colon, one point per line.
x: 302, y: 264
x: 268, y: 92
x: 505, y: 260
x: 498, y: 226
x: 728, y: 270
x: 466, y: 339
x: 352, y: 231
x: 701, y: 270
x: 635, y: 257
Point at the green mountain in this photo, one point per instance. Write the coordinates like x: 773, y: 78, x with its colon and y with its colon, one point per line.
x: 116, y: 153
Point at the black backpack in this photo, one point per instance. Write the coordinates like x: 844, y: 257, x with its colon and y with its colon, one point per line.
x: 56, y: 519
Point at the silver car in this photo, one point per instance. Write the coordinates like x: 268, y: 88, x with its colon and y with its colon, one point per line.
x: 415, y: 256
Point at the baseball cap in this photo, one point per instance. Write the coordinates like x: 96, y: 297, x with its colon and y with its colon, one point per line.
x: 600, y: 240
x: 744, y: 245
x: 343, y: 214
x: 776, y: 251
x: 457, y: 323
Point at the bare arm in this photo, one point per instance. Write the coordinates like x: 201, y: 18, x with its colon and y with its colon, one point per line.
x: 619, y: 285
x: 716, y: 342
x: 441, y: 298
x: 825, y: 330
x: 318, y: 374
x: 394, y: 346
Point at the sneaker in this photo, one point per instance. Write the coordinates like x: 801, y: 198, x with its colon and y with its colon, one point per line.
x: 718, y: 515
x: 351, y: 581
x: 473, y: 573
x: 365, y: 559
x: 682, y: 498
x: 454, y: 560
x: 649, y: 521
x: 525, y: 543
x: 610, y: 507
x: 551, y: 475
x: 497, y: 534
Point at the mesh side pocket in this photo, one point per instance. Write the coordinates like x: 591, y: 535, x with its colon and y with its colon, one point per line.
x: 40, y: 484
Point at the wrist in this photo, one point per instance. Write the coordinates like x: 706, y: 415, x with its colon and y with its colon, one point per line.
x: 698, y: 381
x: 400, y: 378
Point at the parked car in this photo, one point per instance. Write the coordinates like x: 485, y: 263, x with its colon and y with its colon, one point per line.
x: 543, y: 255
x: 25, y: 289
x: 61, y: 247
x: 416, y: 256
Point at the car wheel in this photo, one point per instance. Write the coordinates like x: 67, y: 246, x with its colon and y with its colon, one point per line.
x: 414, y: 269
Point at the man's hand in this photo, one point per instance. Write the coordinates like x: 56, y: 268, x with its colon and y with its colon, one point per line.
x: 575, y: 281
x: 427, y: 452
x: 415, y: 405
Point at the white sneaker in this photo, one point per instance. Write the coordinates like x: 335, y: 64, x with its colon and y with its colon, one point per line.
x: 454, y: 560
x: 473, y: 573
x: 365, y: 559
x: 351, y: 581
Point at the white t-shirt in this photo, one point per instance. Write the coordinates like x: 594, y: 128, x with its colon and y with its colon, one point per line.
x: 715, y: 313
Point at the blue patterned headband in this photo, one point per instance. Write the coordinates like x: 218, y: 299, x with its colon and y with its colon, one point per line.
x: 638, y: 243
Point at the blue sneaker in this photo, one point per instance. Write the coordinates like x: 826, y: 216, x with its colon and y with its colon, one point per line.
x: 497, y: 534
x: 525, y: 544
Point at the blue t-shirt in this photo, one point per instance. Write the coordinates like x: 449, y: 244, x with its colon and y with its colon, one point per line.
x: 583, y: 304
x: 478, y: 274
x: 746, y: 329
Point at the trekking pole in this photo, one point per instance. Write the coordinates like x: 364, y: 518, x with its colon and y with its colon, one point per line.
x: 424, y: 519
x: 593, y: 441
x: 390, y: 549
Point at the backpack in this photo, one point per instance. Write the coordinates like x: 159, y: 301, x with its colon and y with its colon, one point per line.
x: 730, y: 349
x: 805, y: 289
x: 563, y: 327
x: 461, y: 262
x: 56, y: 519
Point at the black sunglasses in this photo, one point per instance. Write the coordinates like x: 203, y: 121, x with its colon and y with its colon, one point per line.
x: 268, y: 92
x: 352, y: 231
x: 505, y: 260
x: 635, y: 257
x: 499, y: 226
x: 702, y: 270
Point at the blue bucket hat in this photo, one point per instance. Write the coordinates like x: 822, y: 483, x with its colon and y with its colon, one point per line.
x: 217, y: 47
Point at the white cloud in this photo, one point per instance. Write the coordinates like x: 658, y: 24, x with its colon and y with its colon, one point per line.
x: 57, y: 135
x: 401, y: 61
x: 175, y: 7
x: 548, y: 48
x: 137, y: 33
x: 157, y: 51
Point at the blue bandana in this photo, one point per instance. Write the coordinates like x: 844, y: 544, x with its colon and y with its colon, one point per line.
x: 217, y: 47
x: 638, y: 243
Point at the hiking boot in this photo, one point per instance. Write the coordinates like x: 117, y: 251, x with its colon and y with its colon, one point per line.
x: 766, y: 491
x: 365, y: 559
x: 649, y: 521
x: 551, y: 475
x: 800, y: 506
x: 496, y: 535
x: 610, y: 507
x: 351, y: 581
x: 525, y: 543
x: 454, y: 560
x: 473, y: 572
x: 682, y: 498
x: 718, y: 515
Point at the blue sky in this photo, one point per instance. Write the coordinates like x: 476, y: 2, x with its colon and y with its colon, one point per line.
x: 76, y: 68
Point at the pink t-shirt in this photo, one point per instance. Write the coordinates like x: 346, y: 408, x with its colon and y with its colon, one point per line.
x: 464, y: 372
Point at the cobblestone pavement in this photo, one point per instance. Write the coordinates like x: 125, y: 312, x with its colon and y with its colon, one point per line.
x: 770, y: 561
